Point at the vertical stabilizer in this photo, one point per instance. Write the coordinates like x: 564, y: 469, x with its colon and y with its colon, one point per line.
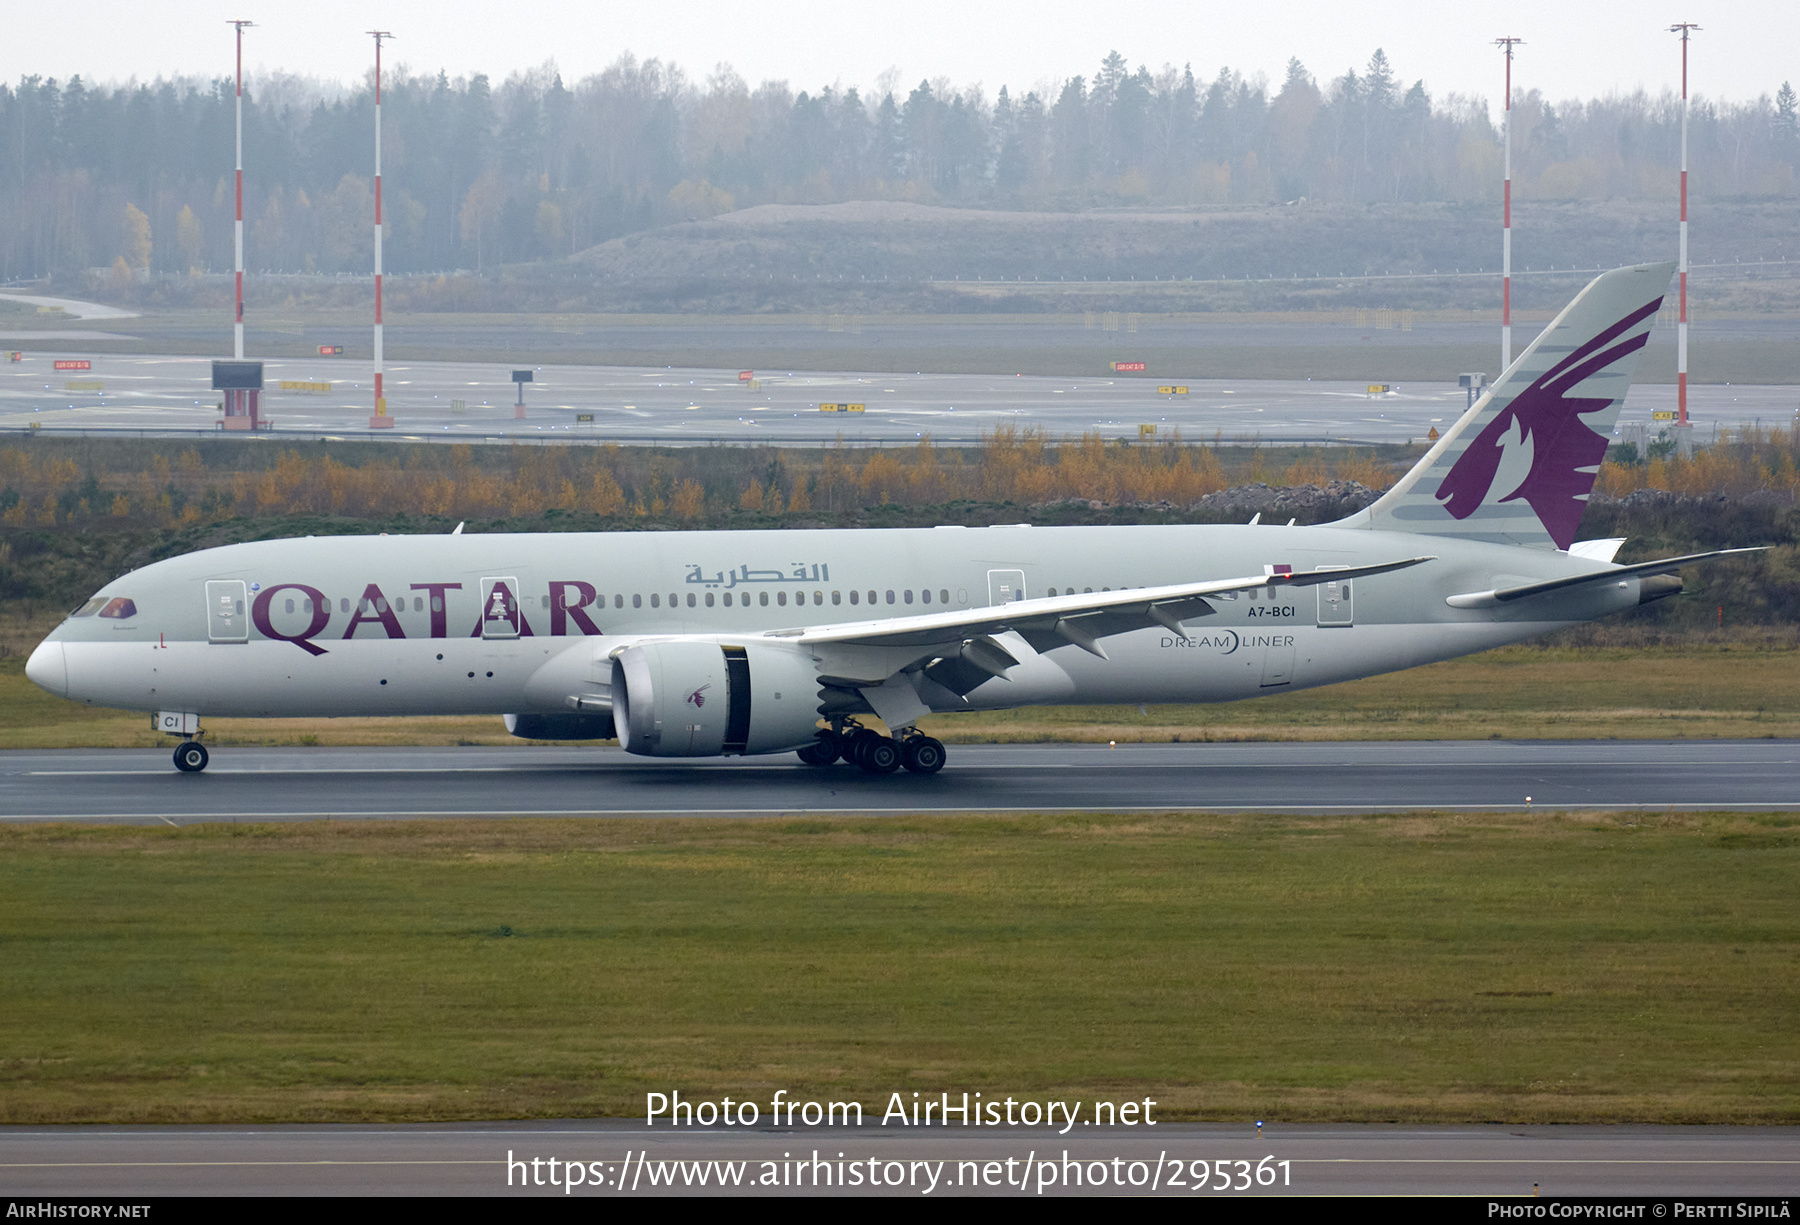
x: 1517, y: 468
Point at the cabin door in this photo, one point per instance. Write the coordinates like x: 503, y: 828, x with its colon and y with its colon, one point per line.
x: 500, y: 608
x: 1335, y: 606
x: 1005, y: 586
x: 227, y: 618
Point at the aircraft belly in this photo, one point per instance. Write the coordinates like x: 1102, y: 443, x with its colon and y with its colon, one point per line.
x: 276, y: 680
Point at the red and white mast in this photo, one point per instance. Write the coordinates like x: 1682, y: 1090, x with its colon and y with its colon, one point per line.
x: 237, y: 331
x: 1507, y: 45
x: 380, y: 418
x: 1683, y: 28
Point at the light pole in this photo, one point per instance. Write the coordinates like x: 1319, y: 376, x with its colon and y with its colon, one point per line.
x: 237, y: 328
x: 1683, y: 28
x: 380, y: 420
x: 1506, y: 45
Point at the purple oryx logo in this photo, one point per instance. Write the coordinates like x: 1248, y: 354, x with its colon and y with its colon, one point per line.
x: 697, y: 699
x: 1542, y: 430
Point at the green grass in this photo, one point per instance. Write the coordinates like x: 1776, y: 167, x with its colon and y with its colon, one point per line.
x: 1548, y: 967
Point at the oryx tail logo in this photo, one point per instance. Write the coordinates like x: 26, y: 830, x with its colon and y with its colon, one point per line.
x: 697, y: 699
x: 1540, y: 442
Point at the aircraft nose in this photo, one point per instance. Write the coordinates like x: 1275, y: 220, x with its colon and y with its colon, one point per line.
x: 48, y: 668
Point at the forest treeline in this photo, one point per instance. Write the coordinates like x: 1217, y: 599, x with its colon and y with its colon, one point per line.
x: 695, y: 486
x: 48, y: 483
x: 75, y: 513
x: 136, y: 178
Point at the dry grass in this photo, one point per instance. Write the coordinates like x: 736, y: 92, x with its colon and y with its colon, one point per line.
x: 1744, y: 688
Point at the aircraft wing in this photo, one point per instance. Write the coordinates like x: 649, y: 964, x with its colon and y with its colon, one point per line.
x: 903, y: 667
x: 1506, y: 595
x: 1092, y: 615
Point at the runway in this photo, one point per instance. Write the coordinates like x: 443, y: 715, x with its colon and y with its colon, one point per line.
x: 438, y: 401
x: 622, y: 1157
x: 141, y: 786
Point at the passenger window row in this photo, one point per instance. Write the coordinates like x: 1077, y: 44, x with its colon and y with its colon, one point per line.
x: 379, y: 604
x: 780, y: 598
x: 1225, y: 595
x: 925, y: 596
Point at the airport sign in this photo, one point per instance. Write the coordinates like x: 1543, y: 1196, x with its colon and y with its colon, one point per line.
x: 1663, y: 416
x: 14, y: 355
x: 1129, y: 367
x: 331, y: 350
x: 584, y: 418
x: 83, y: 364
x: 1171, y: 391
x: 744, y: 376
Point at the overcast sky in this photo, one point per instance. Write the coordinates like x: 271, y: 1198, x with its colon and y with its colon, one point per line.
x: 1573, y: 48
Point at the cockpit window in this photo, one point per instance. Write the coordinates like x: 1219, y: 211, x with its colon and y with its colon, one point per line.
x: 119, y: 608
x: 90, y: 608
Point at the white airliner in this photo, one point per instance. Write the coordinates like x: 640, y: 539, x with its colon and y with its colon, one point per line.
x: 701, y: 644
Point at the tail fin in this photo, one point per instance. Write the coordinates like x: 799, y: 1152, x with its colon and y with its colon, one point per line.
x: 1517, y: 468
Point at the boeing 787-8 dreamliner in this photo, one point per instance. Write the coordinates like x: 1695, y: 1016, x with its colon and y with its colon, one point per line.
x: 700, y: 644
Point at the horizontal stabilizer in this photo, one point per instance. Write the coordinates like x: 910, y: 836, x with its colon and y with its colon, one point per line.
x: 1506, y: 595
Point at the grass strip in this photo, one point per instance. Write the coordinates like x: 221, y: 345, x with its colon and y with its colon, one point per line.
x: 1551, y: 967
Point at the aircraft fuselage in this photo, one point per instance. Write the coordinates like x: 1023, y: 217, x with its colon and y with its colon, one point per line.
x: 395, y: 625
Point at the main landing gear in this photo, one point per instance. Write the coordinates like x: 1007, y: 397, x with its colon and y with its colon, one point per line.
x: 190, y: 757
x: 875, y: 753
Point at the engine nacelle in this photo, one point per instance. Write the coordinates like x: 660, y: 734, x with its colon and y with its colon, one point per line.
x: 701, y: 699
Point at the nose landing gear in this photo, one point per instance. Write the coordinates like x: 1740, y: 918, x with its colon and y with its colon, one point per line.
x: 190, y: 754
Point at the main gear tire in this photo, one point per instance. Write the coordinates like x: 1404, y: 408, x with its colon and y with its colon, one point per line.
x: 823, y: 751
x: 879, y: 756
x: 857, y: 744
x: 922, y: 755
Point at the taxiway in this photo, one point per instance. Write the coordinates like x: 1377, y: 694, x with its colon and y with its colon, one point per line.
x: 438, y: 401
